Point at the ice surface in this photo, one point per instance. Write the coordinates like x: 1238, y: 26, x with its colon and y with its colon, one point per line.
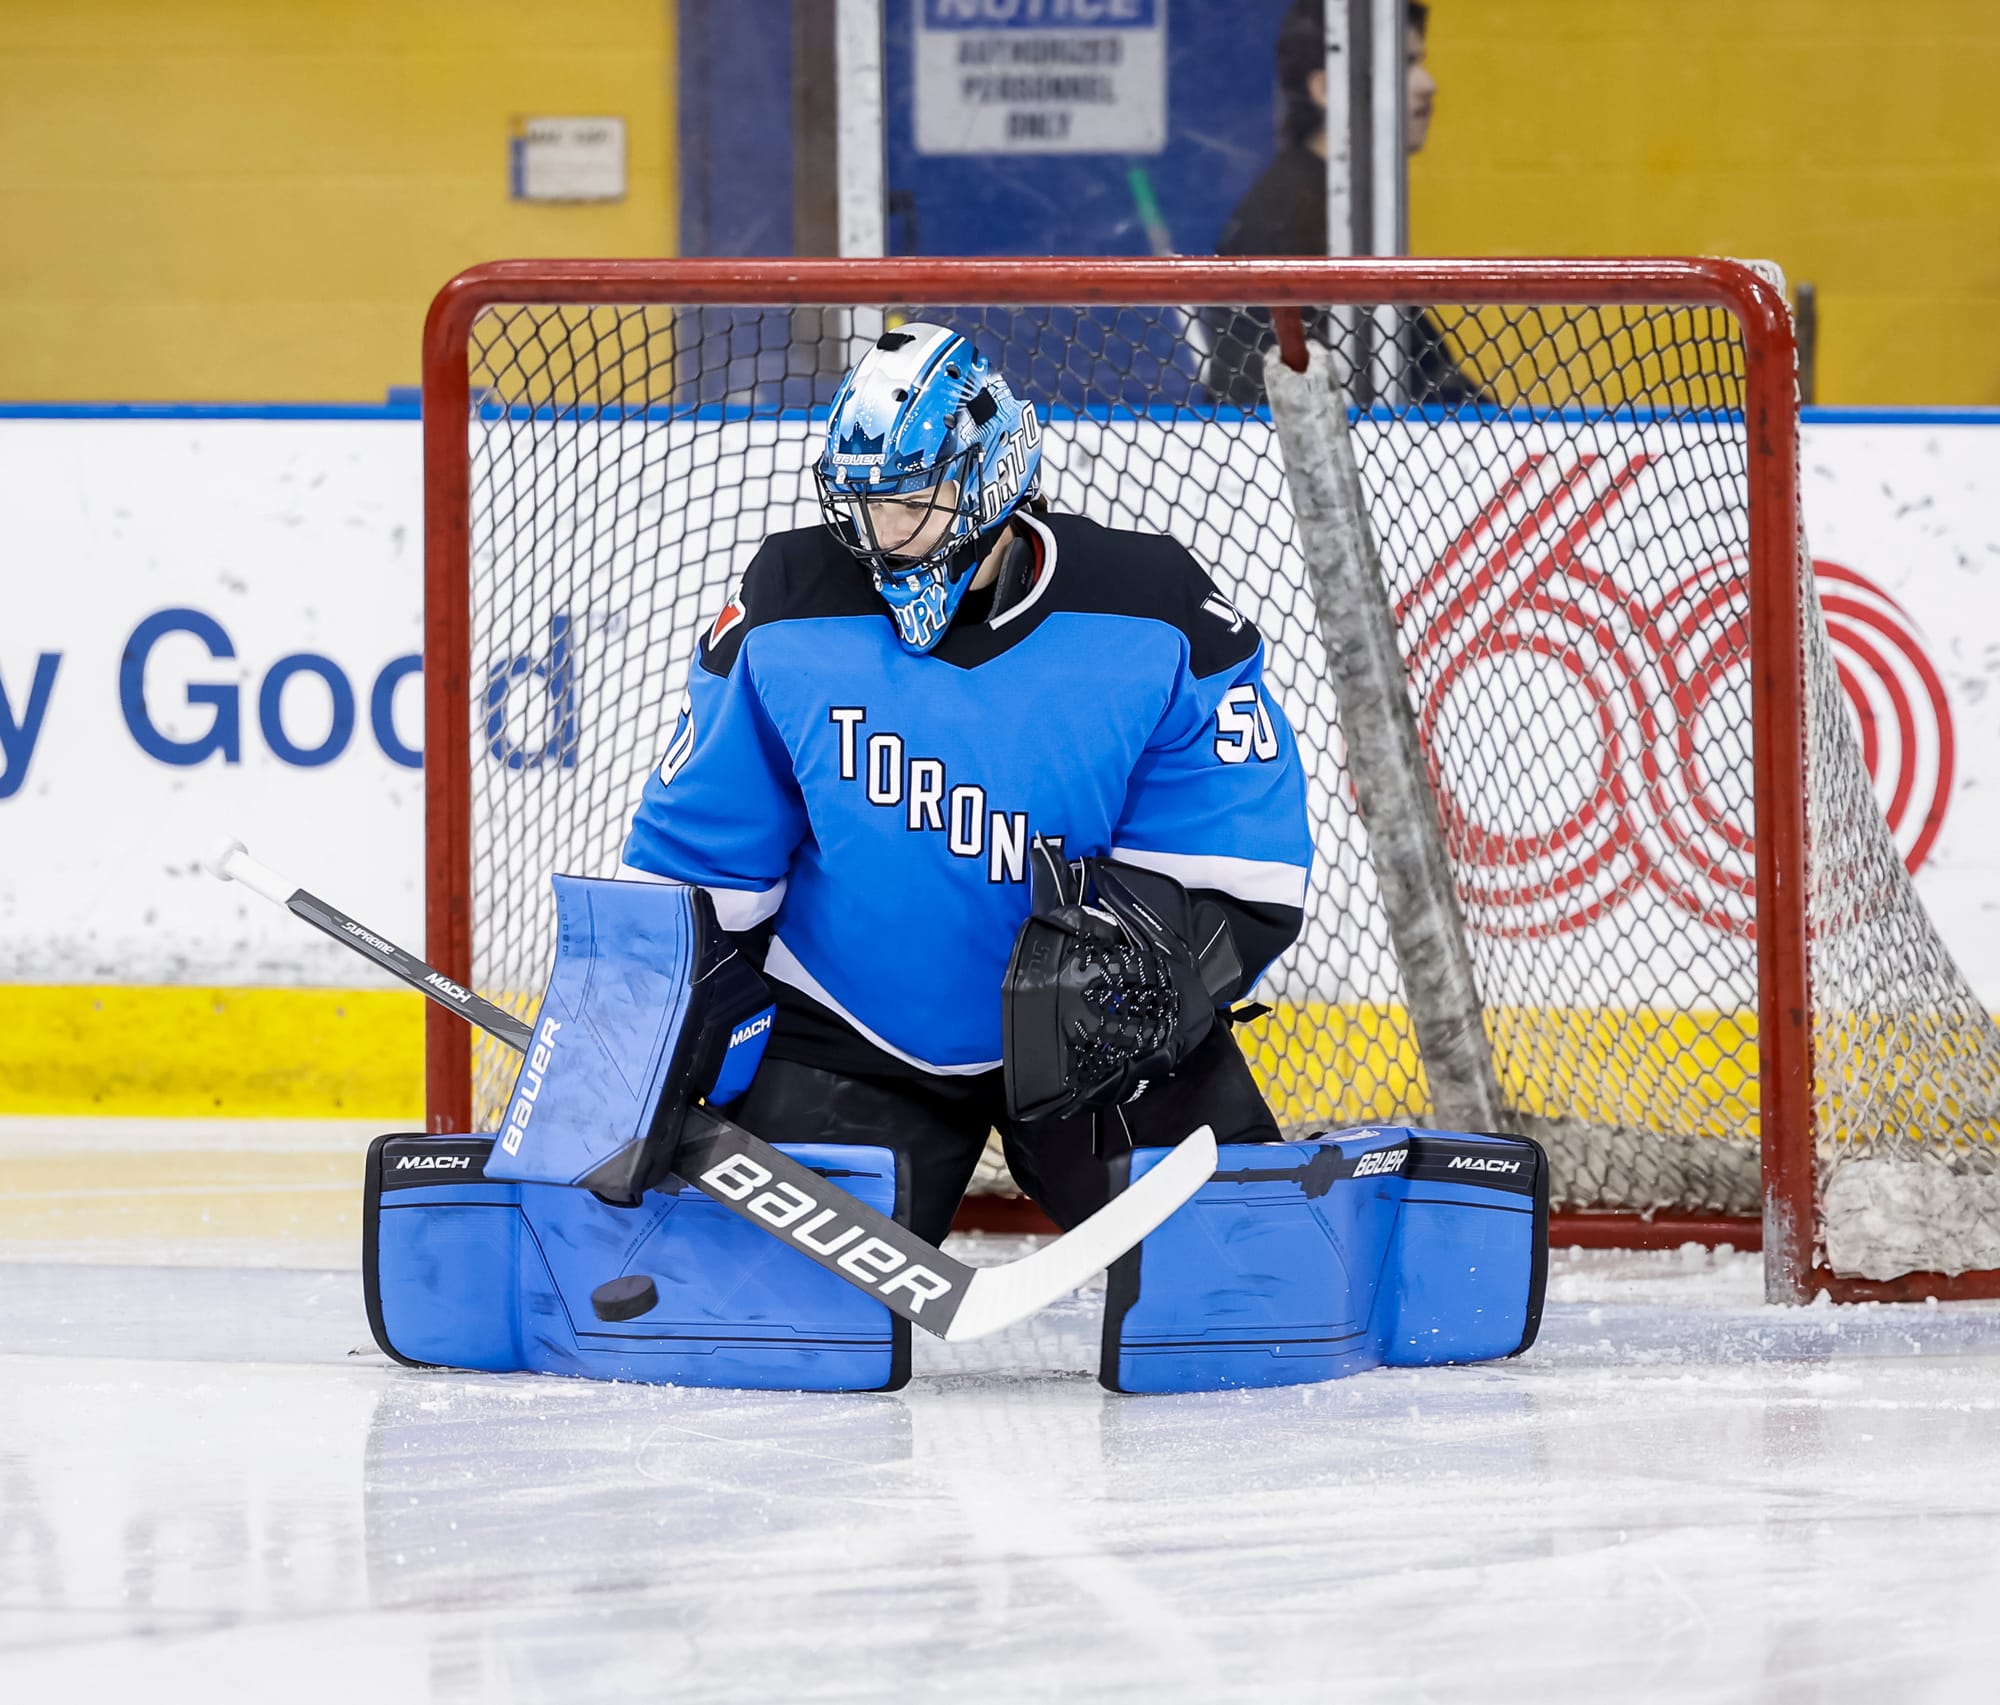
x: 212, y: 1486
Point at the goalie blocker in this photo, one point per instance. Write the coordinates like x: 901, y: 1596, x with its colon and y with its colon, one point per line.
x: 649, y: 1008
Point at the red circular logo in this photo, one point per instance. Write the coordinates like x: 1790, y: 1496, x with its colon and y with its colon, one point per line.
x: 1601, y: 738
x: 1899, y: 706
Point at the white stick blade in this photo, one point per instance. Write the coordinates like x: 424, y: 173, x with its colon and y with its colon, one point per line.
x: 999, y: 1296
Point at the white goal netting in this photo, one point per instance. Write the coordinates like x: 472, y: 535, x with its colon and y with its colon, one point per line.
x: 1558, y: 500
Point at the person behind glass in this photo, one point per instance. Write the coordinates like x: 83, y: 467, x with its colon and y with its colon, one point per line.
x: 1285, y: 213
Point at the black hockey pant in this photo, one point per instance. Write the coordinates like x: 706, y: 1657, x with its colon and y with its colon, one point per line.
x: 937, y: 1127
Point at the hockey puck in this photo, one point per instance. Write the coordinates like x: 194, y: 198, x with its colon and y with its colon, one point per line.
x: 624, y: 1298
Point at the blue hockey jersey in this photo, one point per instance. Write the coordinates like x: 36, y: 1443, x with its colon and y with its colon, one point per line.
x: 877, y: 807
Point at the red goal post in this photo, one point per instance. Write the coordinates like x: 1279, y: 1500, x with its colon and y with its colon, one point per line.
x: 582, y: 297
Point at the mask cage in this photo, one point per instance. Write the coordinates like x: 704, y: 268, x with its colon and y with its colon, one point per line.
x: 849, y: 515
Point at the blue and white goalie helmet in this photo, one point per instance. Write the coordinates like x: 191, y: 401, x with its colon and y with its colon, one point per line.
x: 926, y: 451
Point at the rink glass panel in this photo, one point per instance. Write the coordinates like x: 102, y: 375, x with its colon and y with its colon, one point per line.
x: 1560, y: 503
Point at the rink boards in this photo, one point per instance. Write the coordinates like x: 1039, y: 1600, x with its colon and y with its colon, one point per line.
x: 271, y: 566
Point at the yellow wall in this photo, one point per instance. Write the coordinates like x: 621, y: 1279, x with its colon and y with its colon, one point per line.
x: 1855, y: 142
x: 193, y: 1052
x: 256, y: 199
x: 239, y: 199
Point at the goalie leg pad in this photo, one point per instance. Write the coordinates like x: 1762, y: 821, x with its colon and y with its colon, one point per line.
x: 649, y: 1007
x: 465, y: 1271
x: 1308, y: 1261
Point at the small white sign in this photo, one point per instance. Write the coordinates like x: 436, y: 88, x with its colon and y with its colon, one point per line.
x: 1041, y: 76
x: 567, y: 159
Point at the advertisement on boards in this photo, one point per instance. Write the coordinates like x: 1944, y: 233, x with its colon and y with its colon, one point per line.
x: 214, y: 627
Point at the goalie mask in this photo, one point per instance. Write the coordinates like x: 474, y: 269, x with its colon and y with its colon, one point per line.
x: 927, y: 450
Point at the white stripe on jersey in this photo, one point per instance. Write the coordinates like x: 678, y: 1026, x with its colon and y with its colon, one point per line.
x: 736, y: 909
x: 1250, y: 879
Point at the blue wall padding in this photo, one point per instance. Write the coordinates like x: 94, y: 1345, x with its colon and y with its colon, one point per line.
x: 465, y: 1272
x: 736, y: 127
x: 1312, y: 1260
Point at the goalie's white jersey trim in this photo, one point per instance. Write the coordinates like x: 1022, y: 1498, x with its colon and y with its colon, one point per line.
x: 782, y: 965
x: 1241, y: 878
x: 736, y: 909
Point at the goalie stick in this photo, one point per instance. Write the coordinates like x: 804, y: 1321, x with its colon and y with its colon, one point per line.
x: 791, y: 1202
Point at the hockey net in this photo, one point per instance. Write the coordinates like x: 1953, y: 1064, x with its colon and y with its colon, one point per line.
x: 1717, y: 1007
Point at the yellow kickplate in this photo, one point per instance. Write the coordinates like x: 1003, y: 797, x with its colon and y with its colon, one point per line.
x: 1695, y: 1071
x: 194, y: 1052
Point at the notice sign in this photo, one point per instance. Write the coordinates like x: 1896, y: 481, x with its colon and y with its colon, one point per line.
x: 567, y: 159
x: 1041, y: 76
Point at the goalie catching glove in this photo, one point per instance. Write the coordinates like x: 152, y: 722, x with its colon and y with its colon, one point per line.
x: 1113, y: 982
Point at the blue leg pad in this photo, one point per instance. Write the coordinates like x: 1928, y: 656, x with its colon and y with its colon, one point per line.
x: 1312, y: 1260
x: 467, y: 1272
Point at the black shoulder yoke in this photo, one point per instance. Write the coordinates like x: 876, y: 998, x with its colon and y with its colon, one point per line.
x: 794, y: 576
x: 1109, y: 571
